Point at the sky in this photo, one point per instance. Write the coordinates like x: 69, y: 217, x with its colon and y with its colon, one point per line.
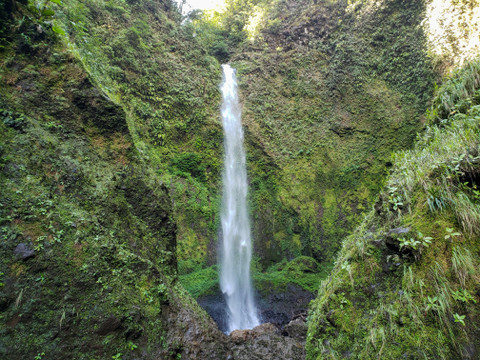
x: 204, y: 4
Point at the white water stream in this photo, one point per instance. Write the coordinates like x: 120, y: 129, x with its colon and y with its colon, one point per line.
x: 236, y: 246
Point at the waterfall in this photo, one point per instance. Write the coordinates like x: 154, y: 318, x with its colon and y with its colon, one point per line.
x: 236, y: 247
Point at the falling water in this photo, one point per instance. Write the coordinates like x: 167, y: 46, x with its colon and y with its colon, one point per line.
x: 236, y: 248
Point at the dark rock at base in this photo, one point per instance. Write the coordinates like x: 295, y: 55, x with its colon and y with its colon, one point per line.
x: 296, y: 328
x: 281, y: 306
x: 215, y: 306
x: 241, y: 336
x: 24, y: 251
x: 266, y: 328
x: 109, y: 325
x: 269, y: 347
x: 277, y: 307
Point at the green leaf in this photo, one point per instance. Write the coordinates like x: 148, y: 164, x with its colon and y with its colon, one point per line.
x: 48, y: 12
x: 58, y: 30
x: 58, y: 2
x: 459, y: 318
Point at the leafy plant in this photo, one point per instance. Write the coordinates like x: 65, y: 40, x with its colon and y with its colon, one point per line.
x: 395, y: 199
x: 436, y: 199
x: 414, y: 243
x: 410, y: 243
x: 459, y: 318
x: 425, y: 240
x: 463, y: 296
x: 432, y: 303
x: 451, y: 234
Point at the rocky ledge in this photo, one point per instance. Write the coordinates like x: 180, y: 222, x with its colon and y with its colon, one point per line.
x: 267, y: 341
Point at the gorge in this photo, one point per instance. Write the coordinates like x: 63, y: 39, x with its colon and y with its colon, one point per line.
x: 361, y: 137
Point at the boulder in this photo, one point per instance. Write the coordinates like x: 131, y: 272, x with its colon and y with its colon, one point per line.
x: 296, y: 328
x: 241, y: 336
x: 24, y: 251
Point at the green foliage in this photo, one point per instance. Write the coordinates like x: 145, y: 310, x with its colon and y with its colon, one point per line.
x: 303, y: 271
x: 85, y: 200
x: 450, y: 234
x: 329, y: 107
x: 395, y: 199
x: 189, y: 163
x: 463, y: 296
x: 457, y: 94
x: 416, y: 308
x: 459, y: 318
x: 39, y: 356
x: 418, y: 243
x: 432, y: 304
x: 201, y: 282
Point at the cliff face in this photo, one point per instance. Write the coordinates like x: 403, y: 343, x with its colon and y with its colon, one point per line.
x: 406, y: 282
x: 88, y: 249
x: 330, y: 90
x: 111, y: 153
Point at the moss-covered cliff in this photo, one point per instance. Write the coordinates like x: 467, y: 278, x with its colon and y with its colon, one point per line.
x: 330, y: 90
x: 111, y: 150
x: 406, y: 283
x: 88, y: 237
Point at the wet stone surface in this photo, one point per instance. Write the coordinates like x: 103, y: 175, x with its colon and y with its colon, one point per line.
x: 277, y: 307
x: 283, y: 330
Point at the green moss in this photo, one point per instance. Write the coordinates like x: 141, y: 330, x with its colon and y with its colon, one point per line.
x: 396, y: 288
x: 102, y: 280
x: 328, y: 107
x: 303, y: 271
x: 201, y: 282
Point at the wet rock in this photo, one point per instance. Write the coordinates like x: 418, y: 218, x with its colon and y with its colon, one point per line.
x: 241, y: 336
x: 24, y: 251
x: 378, y: 243
x: 267, y: 328
x: 392, y: 236
x: 400, y: 230
x: 277, y: 306
x: 269, y: 347
x: 296, y: 328
x: 109, y: 325
x: 215, y: 306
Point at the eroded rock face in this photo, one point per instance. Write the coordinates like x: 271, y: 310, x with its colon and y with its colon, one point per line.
x: 24, y: 251
x: 193, y: 334
x: 241, y: 336
x: 296, y: 328
x: 265, y: 342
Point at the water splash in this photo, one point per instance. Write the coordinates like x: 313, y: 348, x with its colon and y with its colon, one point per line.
x: 236, y: 247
